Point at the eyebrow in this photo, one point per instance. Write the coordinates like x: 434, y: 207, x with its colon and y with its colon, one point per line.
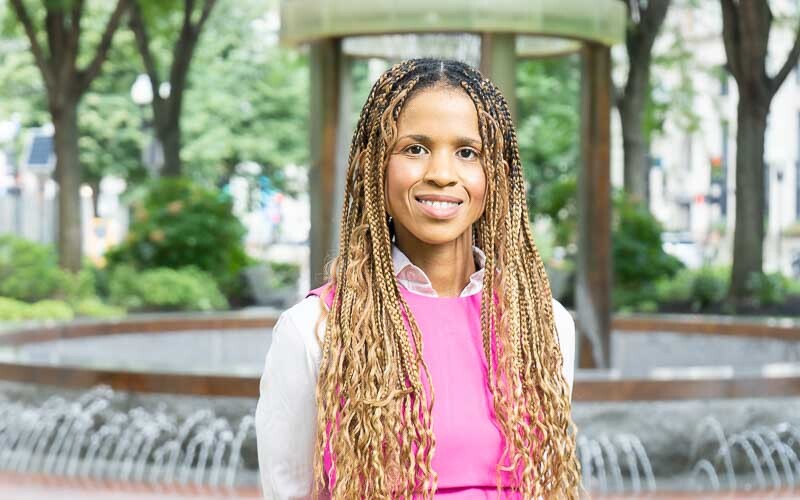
x: 426, y: 139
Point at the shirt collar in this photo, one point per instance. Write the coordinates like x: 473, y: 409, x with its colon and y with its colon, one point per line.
x: 415, y: 280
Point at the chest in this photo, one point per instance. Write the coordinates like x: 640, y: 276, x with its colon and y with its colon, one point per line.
x: 469, y: 442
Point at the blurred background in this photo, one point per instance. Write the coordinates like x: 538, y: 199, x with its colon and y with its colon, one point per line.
x: 169, y: 174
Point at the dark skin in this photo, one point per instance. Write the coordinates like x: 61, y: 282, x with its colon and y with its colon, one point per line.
x: 435, y: 185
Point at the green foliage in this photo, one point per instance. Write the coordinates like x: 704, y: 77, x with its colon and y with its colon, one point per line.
x: 28, y: 271
x: 32, y: 286
x: 79, y: 286
x: 559, y: 203
x: 164, y: 289
x: 178, y: 224
x: 769, y: 288
x: 92, y: 307
x: 709, y: 287
x: 548, y: 95
x: 678, y: 288
x: 637, y: 251
x: 792, y: 286
x: 282, y: 274
x: 671, y: 97
x: 247, y: 99
x: 51, y: 309
x: 638, y: 254
x: 701, y: 287
x: 16, y: 310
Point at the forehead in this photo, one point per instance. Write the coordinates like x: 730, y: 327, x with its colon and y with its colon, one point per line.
x: 438, y: 112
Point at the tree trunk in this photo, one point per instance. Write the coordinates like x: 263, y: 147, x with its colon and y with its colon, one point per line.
x: 634, y: 145
x: 170, y: 137
x: 68, y: 176
x: 749, y: 233
x: 632, y: 100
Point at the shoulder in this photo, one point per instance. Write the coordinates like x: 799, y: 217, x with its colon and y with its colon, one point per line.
x: 300, y: 321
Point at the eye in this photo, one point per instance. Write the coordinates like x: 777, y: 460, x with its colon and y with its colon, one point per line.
x: 415, y: 149
x: 467, y: 154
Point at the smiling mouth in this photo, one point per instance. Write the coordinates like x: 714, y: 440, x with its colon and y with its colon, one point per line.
x: 439, y: 209
x: 440, y: 204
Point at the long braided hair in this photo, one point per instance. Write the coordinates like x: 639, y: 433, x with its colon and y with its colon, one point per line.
x: 373, y: 413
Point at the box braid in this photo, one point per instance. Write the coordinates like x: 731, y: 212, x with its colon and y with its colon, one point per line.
x: 373, y: 412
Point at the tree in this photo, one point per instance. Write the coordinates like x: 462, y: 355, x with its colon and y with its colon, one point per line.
x: 66, y: 82
x: 109, y: 123
x: 263, y: 121
x: 548, y: 94
x: 746, y: 28
x: 167, y: 108
x: 645, y: 20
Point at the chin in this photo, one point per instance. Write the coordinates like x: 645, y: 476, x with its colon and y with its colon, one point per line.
x: 438, y: 237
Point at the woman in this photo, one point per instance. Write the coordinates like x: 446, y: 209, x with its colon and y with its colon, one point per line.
x: 417, y: 370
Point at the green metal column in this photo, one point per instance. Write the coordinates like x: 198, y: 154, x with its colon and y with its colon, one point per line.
x: 499, y: 64
x: 325, y: 87
x: 594, y: 270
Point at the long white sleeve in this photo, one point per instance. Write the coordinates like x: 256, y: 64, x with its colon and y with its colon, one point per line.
x: 565, y: 326
x: 286, y: 411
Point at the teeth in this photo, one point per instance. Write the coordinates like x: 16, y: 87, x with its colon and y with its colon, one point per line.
x: 440, y: 204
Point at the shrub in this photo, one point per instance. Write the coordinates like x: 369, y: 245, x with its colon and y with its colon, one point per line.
x: 792, y: 286
x: 92, y: 307
x: 283, y: 274
x: 558, y: 202
x: 638, y: 253
x: 700, y: 287
x: 675, y: 289
x: 768, y: 288
x: 51, y: 309
x: 28, y: 270
x: 179, y: 224
x: 79, y: 286
x: 13, y: 310
x: 710, y: 286
x: 164, y: 289
x: 17, y: 310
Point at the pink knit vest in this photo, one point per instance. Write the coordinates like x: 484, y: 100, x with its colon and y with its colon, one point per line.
x: 469, y: 442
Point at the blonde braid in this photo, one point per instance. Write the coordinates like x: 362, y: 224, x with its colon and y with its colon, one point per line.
x: 370, y: 391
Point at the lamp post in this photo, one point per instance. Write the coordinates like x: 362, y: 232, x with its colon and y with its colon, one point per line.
x: 142, y: 96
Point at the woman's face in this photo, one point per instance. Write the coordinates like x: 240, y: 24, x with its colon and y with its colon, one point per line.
x: 435, y: 183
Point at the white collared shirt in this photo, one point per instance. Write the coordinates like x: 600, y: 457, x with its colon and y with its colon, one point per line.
x: 286, y: 412
x: 415, y: 280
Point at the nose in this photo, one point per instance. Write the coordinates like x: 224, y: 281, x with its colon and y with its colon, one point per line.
x: 441, y: 169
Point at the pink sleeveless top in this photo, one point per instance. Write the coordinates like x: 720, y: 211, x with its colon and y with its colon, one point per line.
x: 469, y: 442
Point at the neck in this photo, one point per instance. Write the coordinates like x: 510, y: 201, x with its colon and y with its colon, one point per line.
x: 448, y: 266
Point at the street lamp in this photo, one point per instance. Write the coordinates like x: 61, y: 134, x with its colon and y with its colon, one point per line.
x: 142, y: 91
x: 142, y: 96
